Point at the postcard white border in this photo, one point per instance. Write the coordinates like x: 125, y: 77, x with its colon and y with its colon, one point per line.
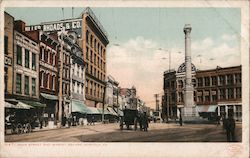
x: 134, y: 149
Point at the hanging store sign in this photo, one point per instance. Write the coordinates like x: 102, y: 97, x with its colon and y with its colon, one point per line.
x: 56, y: 26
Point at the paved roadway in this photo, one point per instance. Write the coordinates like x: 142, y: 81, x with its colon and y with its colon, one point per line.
x: 158, y: 132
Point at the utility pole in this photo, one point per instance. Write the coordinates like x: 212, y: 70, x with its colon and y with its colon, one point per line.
x: 61, y: 33
x: 104, y: 93
x: 156, y: 102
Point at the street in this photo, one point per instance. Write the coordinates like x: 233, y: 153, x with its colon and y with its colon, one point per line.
x: 158, y: 132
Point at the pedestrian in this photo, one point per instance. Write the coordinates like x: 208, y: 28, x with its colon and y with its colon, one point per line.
x: 224, y: 121
x: 230, y: 128
x: 93, y: 120
x: 218, y: 120
x: 145, y: 122
x: 180, y: 121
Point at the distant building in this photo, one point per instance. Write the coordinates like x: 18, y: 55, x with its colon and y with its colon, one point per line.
x: 129, y: 97
x: 216, y: 91
x: 112, y: 92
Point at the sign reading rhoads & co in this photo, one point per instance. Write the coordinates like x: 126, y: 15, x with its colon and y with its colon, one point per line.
x: 72, y: 24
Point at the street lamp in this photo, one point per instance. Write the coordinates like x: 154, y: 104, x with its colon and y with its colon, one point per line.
x: 169, y: 67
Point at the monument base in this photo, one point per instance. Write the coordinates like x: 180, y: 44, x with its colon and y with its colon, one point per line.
x: 190, y: 114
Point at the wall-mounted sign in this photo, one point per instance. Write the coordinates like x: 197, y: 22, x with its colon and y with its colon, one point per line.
x: 56, y: 26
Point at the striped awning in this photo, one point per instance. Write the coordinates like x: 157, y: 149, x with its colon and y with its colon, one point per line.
x: 17, y: 104
x: 112, y: 111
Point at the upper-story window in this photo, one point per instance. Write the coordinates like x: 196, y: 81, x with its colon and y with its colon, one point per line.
x: 5, y: 44
x: 19, y: 55
x: 45, y: 55
x: 33, y: 61
x: 87, y: 36
x: 27, y: 58
x: 207, y: 81
x: 238, y: 78
x: 230, y: 79
x: 214, y: 80
x: 91, y: 41
x: 18, y: 83
x: 222, y: 80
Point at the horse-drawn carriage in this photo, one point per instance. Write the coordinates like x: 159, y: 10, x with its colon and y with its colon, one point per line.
x: 133, y: 117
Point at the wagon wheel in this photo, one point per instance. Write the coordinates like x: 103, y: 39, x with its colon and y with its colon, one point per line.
x: 19, y: 128
x: 135, y: 123
x: 28, y: 128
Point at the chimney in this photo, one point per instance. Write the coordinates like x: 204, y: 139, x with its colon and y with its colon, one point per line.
x: 20, y: 25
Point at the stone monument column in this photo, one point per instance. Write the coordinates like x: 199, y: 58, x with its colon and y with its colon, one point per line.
x: 189, y: 107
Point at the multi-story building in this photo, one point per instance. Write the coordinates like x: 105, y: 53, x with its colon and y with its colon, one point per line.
x: 25, y: 67
x: 216, y: 91
x: 8, y: 53
x: 93, y: 41
x: 77, y: 73
x: 112, y: 92
x: 48, y: 71
x: 220, y: 89
x: 129, y: 97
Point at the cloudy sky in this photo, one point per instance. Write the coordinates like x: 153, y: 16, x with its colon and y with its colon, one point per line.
x: 141, y: 39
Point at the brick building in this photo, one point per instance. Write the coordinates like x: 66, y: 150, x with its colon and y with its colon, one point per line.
x: 93, y: 40
x: 216, y: 91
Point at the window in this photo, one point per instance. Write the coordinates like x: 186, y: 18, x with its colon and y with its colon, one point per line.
x: 19, y: 55
x: 46, y: 55
x: 91, y: 56
x: 5, y: 78
x: 230, y: 93
x: 238, y: 112
x: 53, y: 82
x: 222, y: 80
x: 18, y: 83
x: 78, y: 86
x: 238, y: 78
x: 87, y: 53
x: 33, y: 61
x: 5, y: 44
x: 207, y: 81
x: 91, y: 40
x: 42, y: 53
x: 230, y: 79
x: 26, y: 85
x: 222, y: 94
x: 87, y: 36
x: 95, y: 59
x: 214, y: 80
x: 33, y: 86
x: 27, y: 58
x: 238, y: 92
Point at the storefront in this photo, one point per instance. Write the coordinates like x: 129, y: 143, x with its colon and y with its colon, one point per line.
x: 229, y: 108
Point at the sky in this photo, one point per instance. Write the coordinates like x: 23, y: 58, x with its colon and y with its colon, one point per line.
x: 142, y: 38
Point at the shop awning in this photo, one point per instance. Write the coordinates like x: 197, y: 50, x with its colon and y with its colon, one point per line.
x: 206, y: 108
x: 106, y: 112
x: 111, y: 110
x: 33, y: 103
x: 119, y: 112
x: 49, y: 96
x: 80, y: 107
x: 13, y: 103
x: 94, y: 110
